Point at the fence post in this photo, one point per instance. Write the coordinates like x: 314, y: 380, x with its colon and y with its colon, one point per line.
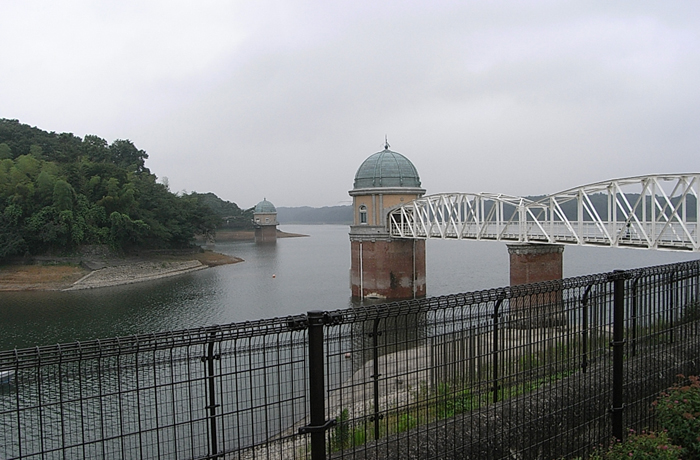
x: 584, y: 327
x: 633, y: 316
x: 618, y: 344
x: 375, y: 374
x: 673, y: 313
x: 496, y: 314
x: 317, y: 392
x: 211, y: 388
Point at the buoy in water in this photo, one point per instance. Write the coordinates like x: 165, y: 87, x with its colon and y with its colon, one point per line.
x: 273, y: 275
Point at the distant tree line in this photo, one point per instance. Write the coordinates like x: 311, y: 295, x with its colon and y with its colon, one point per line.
x: 599, y: 202
x: 58, y: 192
x: 341, y: 215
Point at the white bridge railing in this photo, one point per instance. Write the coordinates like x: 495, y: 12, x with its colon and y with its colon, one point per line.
x: 652, y: 212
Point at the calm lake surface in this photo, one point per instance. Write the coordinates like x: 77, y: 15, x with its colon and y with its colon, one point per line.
x: 310, y: 273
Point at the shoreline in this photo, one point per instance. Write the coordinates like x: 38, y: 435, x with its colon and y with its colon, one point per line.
x: 134, y: 273
x: 248, y: 235
x: 77, y: 273
x: 107, y: 272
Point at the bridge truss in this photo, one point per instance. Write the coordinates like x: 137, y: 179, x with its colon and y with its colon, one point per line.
x: 651, y: 212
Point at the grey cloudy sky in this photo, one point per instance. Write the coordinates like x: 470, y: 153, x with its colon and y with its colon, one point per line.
x: 285, y: 99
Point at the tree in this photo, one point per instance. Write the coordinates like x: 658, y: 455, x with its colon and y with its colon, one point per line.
x: 36, y: 151
x: 5, y: 151
x: 11, y: 240
x: 63, y: 196
x: 95, y: 148
x: 125, y: 154
x: 126, y: 231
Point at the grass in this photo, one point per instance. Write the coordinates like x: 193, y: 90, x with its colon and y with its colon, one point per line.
x: 432, y: 404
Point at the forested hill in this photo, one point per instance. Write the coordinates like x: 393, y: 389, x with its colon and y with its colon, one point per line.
x: 60, y: 191
x: 307, y: 215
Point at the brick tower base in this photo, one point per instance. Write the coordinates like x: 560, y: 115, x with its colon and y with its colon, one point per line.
x: 387, y: 268
x: 266, y: 234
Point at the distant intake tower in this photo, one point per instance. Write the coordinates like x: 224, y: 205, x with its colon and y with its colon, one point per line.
x: 265, y: 222
x: 383, y: 267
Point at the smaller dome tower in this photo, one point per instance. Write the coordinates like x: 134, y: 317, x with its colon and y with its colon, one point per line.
x: 265, y: 222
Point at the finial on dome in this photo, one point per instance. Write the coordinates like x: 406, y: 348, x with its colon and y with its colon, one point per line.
x: 386, y: 143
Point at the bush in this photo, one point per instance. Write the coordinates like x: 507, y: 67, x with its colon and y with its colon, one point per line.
x: 644, y: 446
x: 678, y: 412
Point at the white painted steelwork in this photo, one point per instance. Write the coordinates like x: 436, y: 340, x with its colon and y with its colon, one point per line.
x: 651, y: 212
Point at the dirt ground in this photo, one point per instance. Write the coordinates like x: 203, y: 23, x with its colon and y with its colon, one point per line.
x: 39, y: 277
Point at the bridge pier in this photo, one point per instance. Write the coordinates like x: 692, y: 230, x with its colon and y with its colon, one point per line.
x: 533, y: 263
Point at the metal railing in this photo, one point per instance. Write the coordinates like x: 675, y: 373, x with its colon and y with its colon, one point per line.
x: 549, y: 370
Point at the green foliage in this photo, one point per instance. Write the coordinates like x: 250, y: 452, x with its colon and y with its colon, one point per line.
x: 340, y: 437
x: 127, y: 232
x: 125, y: 154
x: 36, y: 151
x: 345, y: 435
x: 58, y: 191
x: 5, y: 151
x: 11, y: 239
x: 63, y: 195
x: 451, y: 402
x: 644, y: 446
x: 406, y: 422
x: 678, y: 412
x: 691, y: 312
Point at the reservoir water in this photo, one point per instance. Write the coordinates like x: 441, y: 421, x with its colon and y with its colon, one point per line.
x: 294, y: 276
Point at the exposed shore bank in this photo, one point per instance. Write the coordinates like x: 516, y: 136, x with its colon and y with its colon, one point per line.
x: 89, y: 272
x: 62, y: 275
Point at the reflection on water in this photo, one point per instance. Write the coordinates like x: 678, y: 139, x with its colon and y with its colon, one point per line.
x: 309, y: 274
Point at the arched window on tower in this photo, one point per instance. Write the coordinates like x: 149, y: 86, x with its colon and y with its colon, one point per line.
x: 363, y: 214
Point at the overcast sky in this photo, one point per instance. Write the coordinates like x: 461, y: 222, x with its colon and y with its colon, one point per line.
x: 285, y: 99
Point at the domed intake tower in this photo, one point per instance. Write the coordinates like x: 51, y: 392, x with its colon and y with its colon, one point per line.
x: 265, y: 222
x: 383, y: 267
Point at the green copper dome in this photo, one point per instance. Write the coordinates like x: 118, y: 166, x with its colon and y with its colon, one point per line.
x: 386, y: 169
x: 265, y: 206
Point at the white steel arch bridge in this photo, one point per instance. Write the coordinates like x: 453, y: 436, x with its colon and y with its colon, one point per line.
x: 657, y: 211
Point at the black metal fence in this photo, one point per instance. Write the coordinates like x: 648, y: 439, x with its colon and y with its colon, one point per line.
x: 549, y: 370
